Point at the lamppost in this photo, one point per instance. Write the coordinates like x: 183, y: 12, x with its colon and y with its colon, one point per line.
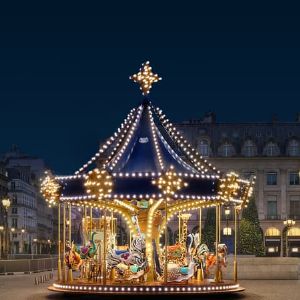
x: 22, y: 240
x: 35, y: 241
x: 227, y: 230
x: 1, y: 242
x: 288, y: 224
x: 6, y: 205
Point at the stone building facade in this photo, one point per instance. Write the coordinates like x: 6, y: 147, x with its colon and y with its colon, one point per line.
x: 271, y: 152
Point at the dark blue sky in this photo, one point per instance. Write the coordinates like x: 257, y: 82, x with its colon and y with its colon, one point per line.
x: 64, y: 77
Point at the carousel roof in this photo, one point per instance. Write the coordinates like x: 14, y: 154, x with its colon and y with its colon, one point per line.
x: 144, y: 147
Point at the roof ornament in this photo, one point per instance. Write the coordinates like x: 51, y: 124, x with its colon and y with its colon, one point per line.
x: 145, y: 77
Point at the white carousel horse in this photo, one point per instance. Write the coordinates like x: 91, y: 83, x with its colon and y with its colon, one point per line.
x: 134, y: 256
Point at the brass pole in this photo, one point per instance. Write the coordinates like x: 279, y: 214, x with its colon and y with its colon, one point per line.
x: 104, y: 245
x: 200, y: 225
x: 166, y: 244
x: 235, y: 245
x: 70, y: 274
x: 179, y: 227
x: 91, y: 219
x: 217, y: 279
x: 219, y: 215
x: 64, y: 244
x: 85, y: 229
x: 59, y: 247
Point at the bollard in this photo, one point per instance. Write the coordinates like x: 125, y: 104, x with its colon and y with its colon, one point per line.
x: 36, y: 281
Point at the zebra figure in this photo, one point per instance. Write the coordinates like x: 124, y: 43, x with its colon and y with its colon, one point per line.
x: 136, y: 255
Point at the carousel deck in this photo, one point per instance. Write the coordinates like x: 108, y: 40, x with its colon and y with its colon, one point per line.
x: 148, y: 288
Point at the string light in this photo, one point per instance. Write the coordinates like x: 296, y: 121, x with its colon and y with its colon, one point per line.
x: 98, y: 182
x: 50, y: 188
x: 145, y: 77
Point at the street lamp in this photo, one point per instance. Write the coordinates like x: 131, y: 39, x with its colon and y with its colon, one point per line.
x: 35, y: 241
x: 1, y: 230
x: 6, y: 204
x: 288, y: 223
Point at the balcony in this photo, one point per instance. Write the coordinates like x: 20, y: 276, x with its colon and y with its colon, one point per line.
x: 294, y: 217
x: 272, y: 217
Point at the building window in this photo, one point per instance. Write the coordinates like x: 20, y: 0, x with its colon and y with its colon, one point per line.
x: 294, y: 178
x: 271, y: 178
x: 271, y: 149
x: 293, y: 148
x: 204, y: 148
x: 15, y: 223
x: 226, y: 150
x: 272, y: 208
x: 14, y: 210
x: 249, y: 149
x: 295, y: 207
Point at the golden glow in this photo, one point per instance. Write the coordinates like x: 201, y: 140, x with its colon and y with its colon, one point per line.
x: 169, y: 182
x: 99, y: 183
x: 145, y: 77
x: 50, y: 188
x: 229, y: 186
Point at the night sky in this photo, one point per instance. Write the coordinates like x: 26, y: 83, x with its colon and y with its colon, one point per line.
x: 64, y: 74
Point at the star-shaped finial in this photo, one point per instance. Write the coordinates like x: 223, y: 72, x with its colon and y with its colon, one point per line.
x: 145, y: 78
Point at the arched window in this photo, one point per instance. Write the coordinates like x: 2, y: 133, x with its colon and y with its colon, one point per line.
x: 249, y: 148
x: 293, y: 148
x: 226, y: 150
x: 271, y: 149
x: 204, y: 148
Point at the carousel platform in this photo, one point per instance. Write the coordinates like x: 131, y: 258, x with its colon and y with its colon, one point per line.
x: 193, y: 287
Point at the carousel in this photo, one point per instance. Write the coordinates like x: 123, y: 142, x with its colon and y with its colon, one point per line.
x: 145, y: 174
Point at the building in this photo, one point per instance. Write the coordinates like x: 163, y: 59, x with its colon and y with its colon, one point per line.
x: 269, y: 150
x: 34, y: 224
x: 3, y: 220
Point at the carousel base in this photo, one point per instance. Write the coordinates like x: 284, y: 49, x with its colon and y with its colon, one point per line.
x: 191, y: 288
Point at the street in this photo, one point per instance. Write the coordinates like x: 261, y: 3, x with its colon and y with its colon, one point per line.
x: 22, y: 287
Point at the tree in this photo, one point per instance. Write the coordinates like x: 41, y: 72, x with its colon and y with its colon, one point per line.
x: 251, y: 236
x: 209, y: 230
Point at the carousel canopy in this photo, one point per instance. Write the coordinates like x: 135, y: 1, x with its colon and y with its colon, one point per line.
x: 145, y: 147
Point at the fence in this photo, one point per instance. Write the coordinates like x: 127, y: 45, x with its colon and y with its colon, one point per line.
x: 27, y: 265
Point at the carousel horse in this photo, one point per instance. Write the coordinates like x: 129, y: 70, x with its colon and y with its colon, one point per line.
x: 221, y: 257
x: 135, y: 256
x: 89, y: 250
x: 72, y: 258
x: 176, y: 253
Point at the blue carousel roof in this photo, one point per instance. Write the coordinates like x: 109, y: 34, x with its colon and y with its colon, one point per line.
x: 141, y: 151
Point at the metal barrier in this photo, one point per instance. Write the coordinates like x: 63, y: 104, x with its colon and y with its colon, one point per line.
x: 27, y: 265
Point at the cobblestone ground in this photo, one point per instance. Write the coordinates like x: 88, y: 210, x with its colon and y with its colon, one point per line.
x: 21, y: 287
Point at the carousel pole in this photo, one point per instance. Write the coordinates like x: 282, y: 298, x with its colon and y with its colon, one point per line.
x: 104, y: 245
x: 91, y: 220
x: 64, y: 244
x: 179, y: 227
x: 59, y: 247
x: 217, y: 277
x: 85, y: 226
x: 219, y: 227
x: 235, y: 245
x: 166, y: 247
x: 200, y: 225
x: 70, y: 274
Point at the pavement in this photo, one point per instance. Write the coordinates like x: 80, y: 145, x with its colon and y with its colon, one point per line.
x: 22, y: 287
